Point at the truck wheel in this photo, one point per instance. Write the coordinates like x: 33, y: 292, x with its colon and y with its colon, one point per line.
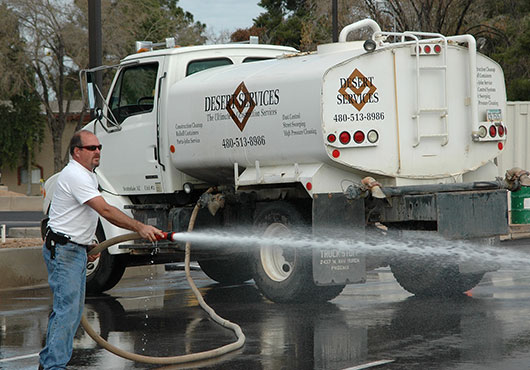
x: 229, y: 271
x: 105, y: 272
x: 432, y: 279
x: 282, y: 273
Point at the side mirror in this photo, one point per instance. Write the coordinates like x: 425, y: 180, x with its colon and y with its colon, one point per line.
x: 90, y: 91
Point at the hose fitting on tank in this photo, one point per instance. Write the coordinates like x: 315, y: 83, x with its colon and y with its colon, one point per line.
x: 369, y: 184
x: 211, y: 201
x: 515, y: 178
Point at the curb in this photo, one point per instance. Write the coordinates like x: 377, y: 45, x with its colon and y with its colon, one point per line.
x: 25, y: 268
x: 24, y: 232
x: 22, y: 267
x: 22, y: 203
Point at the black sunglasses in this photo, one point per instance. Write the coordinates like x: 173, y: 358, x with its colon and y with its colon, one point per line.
x: 92, y: 148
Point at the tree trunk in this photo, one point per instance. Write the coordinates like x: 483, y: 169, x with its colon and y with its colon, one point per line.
x: 57, y: 125
x: 28, y: 153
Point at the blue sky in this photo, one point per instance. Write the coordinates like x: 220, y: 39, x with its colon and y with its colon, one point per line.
x: 220, y: 15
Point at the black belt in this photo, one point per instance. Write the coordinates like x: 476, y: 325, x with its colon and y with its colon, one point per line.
x: 52, y: 238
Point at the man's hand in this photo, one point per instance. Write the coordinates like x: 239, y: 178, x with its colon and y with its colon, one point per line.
x: 92, y: 257
x: 150, y: 232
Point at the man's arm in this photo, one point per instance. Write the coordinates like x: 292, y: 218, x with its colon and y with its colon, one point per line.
x: 120, y: 219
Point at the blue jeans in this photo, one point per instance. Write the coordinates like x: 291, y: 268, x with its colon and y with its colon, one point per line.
x: 66, y: 277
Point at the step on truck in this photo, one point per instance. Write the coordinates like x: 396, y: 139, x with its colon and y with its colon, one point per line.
x: 394, y: 134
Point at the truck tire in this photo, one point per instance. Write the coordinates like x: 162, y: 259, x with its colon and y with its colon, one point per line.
x: 227, y: 271
x: 434, y: 279
x: 284, y: 274
x: 105, y: 272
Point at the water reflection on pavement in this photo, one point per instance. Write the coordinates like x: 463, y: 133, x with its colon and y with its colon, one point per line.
x: 159, y: 316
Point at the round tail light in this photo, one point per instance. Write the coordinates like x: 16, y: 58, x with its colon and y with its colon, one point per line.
x: 437, y: 49
x: 358, y: 137
x: 427, y: 49
x: 500, y: 130
x: 344, y: 137
x: 332, y: 138
x: 493, y: 131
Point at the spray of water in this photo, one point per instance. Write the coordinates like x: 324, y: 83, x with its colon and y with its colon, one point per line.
x: 409, y: 245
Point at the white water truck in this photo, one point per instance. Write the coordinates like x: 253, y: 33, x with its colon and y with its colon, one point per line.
x: 395, y: 133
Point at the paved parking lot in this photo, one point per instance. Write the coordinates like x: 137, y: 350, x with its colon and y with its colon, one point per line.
x: 158, y: 315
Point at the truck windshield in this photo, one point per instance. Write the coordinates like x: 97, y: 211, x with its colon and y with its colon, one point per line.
x: 134, y: 91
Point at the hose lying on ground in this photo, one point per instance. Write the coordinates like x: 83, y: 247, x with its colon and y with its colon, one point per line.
x: 174, y: 359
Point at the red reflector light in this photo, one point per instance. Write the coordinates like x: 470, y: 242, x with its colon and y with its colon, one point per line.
x: 172, y: 149
x: 493, y: 131
x: 332, y: 138
x: 427, y: 49
x: 437, y: 49
x: 336, y: 153
x: 358, y: 137
x: 500, y: 130
x: 344, y: 137
x: 500, y: 146
x: 309, y: 186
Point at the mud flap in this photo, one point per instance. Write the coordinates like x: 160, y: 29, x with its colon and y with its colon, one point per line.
x: 337, y: 267
x: 466, y: 215
x: 336, y: 216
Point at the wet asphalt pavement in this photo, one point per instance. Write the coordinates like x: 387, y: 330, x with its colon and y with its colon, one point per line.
x: 159, y: 316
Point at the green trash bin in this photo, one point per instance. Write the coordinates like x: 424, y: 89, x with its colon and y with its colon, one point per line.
x: 521, y: 206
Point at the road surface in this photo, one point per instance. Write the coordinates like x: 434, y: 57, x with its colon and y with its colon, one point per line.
x: 157, y: 315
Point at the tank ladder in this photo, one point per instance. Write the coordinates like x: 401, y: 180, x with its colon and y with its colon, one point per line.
x: 442, y: 109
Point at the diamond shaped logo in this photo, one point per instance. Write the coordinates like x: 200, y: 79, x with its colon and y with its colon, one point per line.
x: 243, y: 103
x: 357, y: 89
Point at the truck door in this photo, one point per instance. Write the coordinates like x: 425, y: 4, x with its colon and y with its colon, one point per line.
x: 130, y: 157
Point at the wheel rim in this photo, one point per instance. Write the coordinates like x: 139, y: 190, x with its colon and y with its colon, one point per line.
x: 92, y: 267
x: 277, y: 261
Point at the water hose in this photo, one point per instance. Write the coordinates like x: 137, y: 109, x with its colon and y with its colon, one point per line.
x: 213, y: 315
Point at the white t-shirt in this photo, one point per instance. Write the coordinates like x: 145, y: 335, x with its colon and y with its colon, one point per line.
x: 68, y: 213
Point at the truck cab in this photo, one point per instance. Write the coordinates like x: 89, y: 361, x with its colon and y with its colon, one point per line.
x: 135, y: 164
x: 135, y: 120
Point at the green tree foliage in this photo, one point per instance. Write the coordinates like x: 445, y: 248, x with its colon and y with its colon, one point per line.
x: 11, y: 54
x: 22, y: 129
x: 22, y: 125
x: 151, y: 20
x: 282, y: 21
x: 504, y: 35
x: 52, y: 39
x: 448, y: 17
x: 502, y: 28
x: 54, y: 45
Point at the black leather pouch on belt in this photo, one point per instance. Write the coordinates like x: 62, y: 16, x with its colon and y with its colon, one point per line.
x: 52, y: 239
